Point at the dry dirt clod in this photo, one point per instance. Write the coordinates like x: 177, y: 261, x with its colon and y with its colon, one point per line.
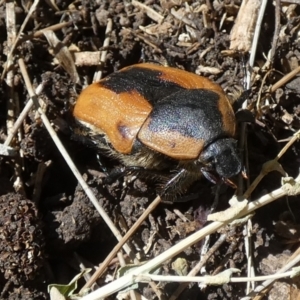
x: 22, y: 244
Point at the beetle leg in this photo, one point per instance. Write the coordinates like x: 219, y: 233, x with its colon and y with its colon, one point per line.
x: 210, y: 176
x: 117, y: 173
x: 215, y: 179
x: 121, y: 172
x: 173, y: 184
x: 114, y: 175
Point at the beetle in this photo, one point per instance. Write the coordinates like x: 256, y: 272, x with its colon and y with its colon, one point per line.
x: 162, y: 119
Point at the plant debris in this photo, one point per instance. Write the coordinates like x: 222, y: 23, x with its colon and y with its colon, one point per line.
x: 50, y: 231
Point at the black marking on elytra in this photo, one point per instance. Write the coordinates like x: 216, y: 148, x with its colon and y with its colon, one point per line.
x: 123, y: 130
x: 145, y: 81
x: 193, y: 113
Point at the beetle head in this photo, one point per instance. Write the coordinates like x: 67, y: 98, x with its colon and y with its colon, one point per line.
x: 221, y: 157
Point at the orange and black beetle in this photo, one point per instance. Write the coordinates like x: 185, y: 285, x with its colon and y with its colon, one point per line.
x: 162, y: 119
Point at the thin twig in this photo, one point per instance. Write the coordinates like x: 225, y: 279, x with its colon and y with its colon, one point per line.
x: 151, y: 13
x: 270, y: 165
x: 199, y: 265
x: 12, y: 100
x: 268, y: 282
x: 277, y: 28
x: 128, y: 279
x: 213, y: 280
x: 9, y: 55
x: 255, y: 42
x: 243, y: 127
x: 67, y: 158
x: 132, y: 293
x: 22, y: 116
x: 11, y: 37
x: 285, y: 79
x: 98, y: 73
x: 41, y: 31
x: 117, y: 248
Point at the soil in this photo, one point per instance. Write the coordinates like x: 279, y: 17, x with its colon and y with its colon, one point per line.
x: 48, y: 226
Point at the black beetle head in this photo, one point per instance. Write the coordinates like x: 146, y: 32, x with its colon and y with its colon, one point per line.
x: 221, y: 157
